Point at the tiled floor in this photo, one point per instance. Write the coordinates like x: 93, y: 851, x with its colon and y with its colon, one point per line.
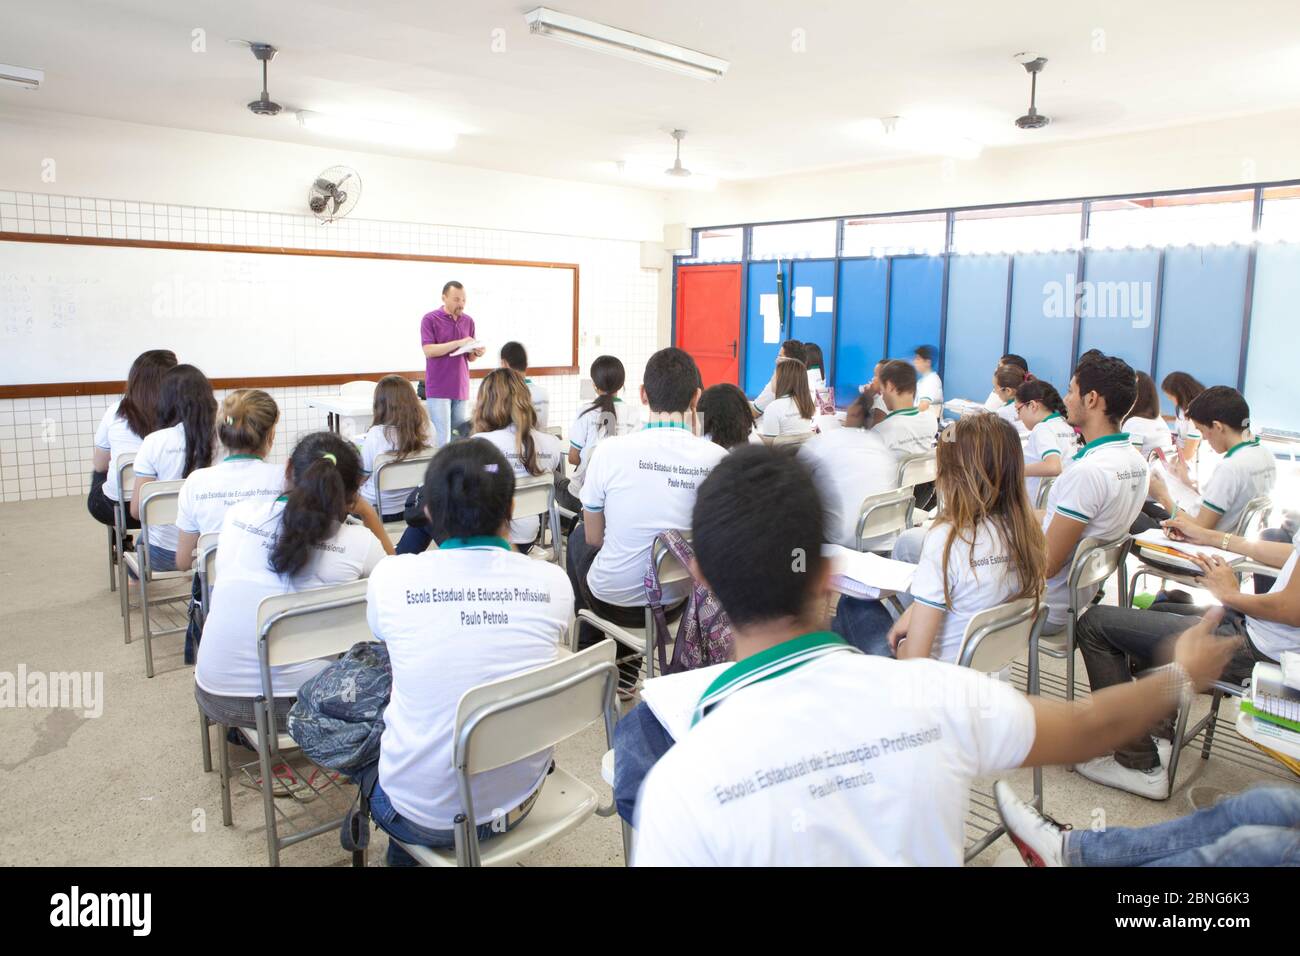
x: 127, y: 787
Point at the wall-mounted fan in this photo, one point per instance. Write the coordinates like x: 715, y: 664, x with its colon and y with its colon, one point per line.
x: 334, y: 193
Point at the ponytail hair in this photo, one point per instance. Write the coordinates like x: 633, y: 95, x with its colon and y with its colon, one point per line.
x: 1036, y: 390
x: 469, y: 488
x: 398, y: 409
x: 187, y: 400
x: 324, y: 474
x: 503, y: 400
x: 246, y: 419
x: 608, y: 377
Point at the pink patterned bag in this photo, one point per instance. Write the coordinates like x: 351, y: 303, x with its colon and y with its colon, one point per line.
x: 703, y: 633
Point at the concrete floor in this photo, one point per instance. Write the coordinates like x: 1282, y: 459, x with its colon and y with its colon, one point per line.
x: 127, y: 787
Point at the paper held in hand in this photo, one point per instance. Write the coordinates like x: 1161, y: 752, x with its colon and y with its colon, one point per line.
x: 1155, y: 545
x: 466, y: 349
x: 866, y: 575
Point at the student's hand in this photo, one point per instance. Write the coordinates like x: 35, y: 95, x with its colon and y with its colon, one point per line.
x: 1178, y: 468
x: 1158, y: 489
x: 1182, y: 528
x: 1217, y: 577
x: 897, y: 633
x: 1203, y: 653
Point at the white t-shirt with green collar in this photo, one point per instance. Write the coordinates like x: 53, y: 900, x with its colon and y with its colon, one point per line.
x: 589, y: 428
x: 1052, y: 436
x: 1247, y: 470
x: 908, y: 431
x: 1103, y: 488
x: 803, y: 768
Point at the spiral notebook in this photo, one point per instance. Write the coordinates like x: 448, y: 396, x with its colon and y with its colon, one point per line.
x: 1271, y: 700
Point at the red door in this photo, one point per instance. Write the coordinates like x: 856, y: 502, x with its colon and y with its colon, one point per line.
x: 708, y: 320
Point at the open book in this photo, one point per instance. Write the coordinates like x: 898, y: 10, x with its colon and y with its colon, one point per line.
x: 866, y: 575
x: 466, y: 349
x: 1157, y: 546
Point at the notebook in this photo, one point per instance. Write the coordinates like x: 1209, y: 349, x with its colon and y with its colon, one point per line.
x: 866, y: 575
x: 1158, y: 546
x: 1272, y: 700
x: 672, y: 697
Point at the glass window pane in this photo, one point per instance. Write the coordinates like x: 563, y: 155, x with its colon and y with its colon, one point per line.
x: 1190, y: 219
x: 1280, y: 217
x: 794, y: 240
x: 713, y: 244
x: 1017, y: 228
x: 894, y: 235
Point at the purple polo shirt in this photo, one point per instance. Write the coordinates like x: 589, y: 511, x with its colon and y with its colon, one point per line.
x: 446, y: 376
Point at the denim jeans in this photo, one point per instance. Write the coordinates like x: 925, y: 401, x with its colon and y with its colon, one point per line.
x: 446, y: 414
x: 865, y: 624
x: 639, y: 741
x: 1118, y: 642
x: 160, y: 559
x: 1260, y: 827
x: 395, y: 825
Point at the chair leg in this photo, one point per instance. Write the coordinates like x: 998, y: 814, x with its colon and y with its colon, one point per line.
x: 1032, y: 686
x: 627, y: 842
x: 144, y: 620
x: 112, y: 559
x: 260, y: 708
x: 1180, y: 731
x: 1069, y: 655
x: 205, y: 740
x: 1216, y: 698
x: 223, y: 754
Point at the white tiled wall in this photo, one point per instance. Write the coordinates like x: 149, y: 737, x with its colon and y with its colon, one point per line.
x: 45, y: 443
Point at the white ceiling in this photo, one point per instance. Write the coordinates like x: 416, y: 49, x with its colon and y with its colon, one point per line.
x: 547, y: 108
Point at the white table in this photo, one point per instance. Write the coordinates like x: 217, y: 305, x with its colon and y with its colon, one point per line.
x: 338, y: 407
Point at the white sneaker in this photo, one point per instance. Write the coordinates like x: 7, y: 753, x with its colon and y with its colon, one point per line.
x: 1165, y: 749
x: 1152, y: 784
x: 1039, y: 838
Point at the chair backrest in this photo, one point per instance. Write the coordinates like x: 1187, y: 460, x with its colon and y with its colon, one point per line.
x: 667, y: 567
x: 1256, y: 510
x: 308, y: 625
x: 1044, y: 488
x: 125, y: 475
x: 357, y: 388
x: 998, y: 635
x: 393, y: 474
x: 510, y: 719
x: 916, y: 470
x: 887, y: 512
x: 206, y: 564
x: 533, y: 496
x: 1096, y: 560
x: 555, y: 430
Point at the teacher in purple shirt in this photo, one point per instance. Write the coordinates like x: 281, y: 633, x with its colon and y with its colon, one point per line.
x: 446, y: 376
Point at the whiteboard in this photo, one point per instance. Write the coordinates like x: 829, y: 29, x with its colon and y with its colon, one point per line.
x: 72, y: 312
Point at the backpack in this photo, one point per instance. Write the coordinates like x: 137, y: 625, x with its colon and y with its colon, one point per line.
x: 338, y: 716
x: 703, y: 633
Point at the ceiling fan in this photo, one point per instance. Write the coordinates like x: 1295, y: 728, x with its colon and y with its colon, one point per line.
x: 1033, y: 119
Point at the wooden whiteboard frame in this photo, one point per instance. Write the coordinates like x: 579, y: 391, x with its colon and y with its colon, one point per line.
x: 58, y: 389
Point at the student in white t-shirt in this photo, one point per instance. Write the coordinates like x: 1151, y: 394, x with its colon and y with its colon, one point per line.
x: 849, y: 465
x: 399, y: 425
x: 791, y: 410
x: 985, y: 548
x: 515, y: 356
x: 1007, y: 379
x: 1101, y: 491
x: 816, y: 364
x: 1051, y: 439
x: 121, y: 430
x: 1246, y: 471
x: 185, y: 441
x: 905, y: 430
x: 790, y: 349
x: 1145, y: 426
x: 1180, y: 388
x: 872, y: 758
x: 298, y: 541
x: 929, y: 387
x: 995, y: 400
x: 444, y: 638
x: 726, y: 418
x: 607, y: 415
x: 503, y: 415
x: 636, y: 486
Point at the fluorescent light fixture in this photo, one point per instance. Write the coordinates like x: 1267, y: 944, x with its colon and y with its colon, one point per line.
x: 631, y: 46
x: 21, y: 76
x: 918, y: 136
x: 374, y: 131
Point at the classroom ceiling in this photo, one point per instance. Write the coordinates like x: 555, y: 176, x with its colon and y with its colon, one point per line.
x: 543, y: 107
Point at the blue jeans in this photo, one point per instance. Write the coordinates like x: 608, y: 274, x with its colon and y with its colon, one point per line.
x: 639, y: 741
x: 446, y: 414
x: 1260, y: 827
x: 865, y: 624
x: 395, y: 825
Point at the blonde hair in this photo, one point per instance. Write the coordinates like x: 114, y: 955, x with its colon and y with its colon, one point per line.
x: 503, y: 400
x: 398, y: 409
x: 246, y: 419
x: 980, y: 476
x: 792, y: 380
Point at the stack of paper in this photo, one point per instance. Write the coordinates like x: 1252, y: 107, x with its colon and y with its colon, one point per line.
x: 1186, y: 497
x: 866, y: 575
x: 466, y: 349
x: 1157, y: 546
x: 962, y: 406
x: 1271, y: 712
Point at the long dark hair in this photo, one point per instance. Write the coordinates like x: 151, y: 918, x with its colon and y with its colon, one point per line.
x: 1183, y: 388
x: 1036, y: 390
x: 325, y: 473
x: 1147, y: 403
x: 187, y: 400
x: 405, y: 422
x: 608, y: 376
x: 139, y: 405
x: 726, y: 415
x: 468, y: 489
